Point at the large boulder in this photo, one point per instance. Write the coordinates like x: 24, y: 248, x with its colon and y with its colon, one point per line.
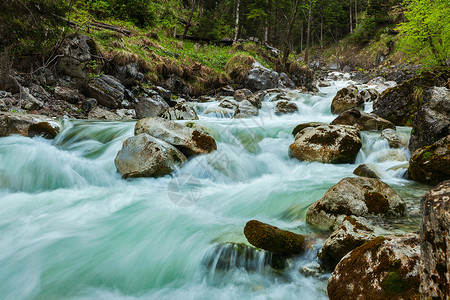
x: 229, y: 104
x: 28, y: 125
x: 245, y: 110
x: 302, y: 126
x: 431, y: 164
x: 189, y: 141
x: 362, y: 120
x: 357, y: 196
x: 384, y: 268
x: 369, y: 95
x: 242, y: 94
x: 181, y: 111
x: 345, y: 99
x: 352, y: 233
x: 327, y: 144
x: 78, y: 57
x: 285, y: 107
x: 273, y: 239
x: 399, y: 104
x: 98, y: 113
x: 107, y: 90
x: 129, y: 74
x: 261, y: 78
x: 432, y: 119
x: 151, y: 107
x: 145, y: 156
x: 67, y: 94
x: 435, y: 243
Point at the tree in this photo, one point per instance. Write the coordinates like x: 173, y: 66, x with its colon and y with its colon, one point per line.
x: 426, y: 34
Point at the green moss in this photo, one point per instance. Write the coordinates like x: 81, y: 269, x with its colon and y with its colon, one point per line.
x: 394, y: 283
x: 427, y: 155
x: 376, y: 203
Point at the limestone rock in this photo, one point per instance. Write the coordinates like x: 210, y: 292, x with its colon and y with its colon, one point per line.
x: 285, y: 107
x: 362, y: 120
x: 245, y: 110
x: 393, y: 139
x: 28, y: 125
x: 242, y: 94
x: 366, y: 170
x: 151, y: 107
x: 67, y: 94
x: 181, y: 111
x: 345, y: 99
x: 107, y: 90
x: 302, y: 126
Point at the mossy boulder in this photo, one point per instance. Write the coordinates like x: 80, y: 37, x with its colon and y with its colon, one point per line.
x: 273, y: 239
x: 145, y: 156
x: 328, y: 144
x: 285, y: 107
x: 302, y: 126
x: 431, y: 164
x: 384, y: 268
x: 435, y: 242
x: 188, y: 140
x: 352, y: 233
x: 345, y: 99
x: 357, y: 196
x: 400, y: 103
x: 362, y: 120
x: 366, y: 170
x: 28, y: 125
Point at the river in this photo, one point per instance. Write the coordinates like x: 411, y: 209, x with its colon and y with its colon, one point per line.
x: 71, y: 228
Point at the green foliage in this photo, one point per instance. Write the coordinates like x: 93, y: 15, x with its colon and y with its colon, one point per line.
x: 426, y: 33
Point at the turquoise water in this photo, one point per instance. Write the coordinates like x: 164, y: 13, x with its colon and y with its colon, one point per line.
x: 71, y: 228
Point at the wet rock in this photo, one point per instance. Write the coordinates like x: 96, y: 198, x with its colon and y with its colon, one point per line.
x: 392, y: 138
x: 432, y: 119
x: 189, y: 141
x: 260, y: 78
x: 362, y: 120
x: 67, y: 94
x: 369, y: 95
x: 435, y: 243
x: 257, y: 98
x: 98, y: 113
x: 220, y: 111
x: 227, y: 256
x: 431, y: 164
x: 78, y: 52
x: 28, y: 125
x: 352, y: 233
x: 285, y: 107
x: 358, y: 196
x: 381, y: 83
x: 345, y: 99
x: 365, y: 170
x: 286, y: 81
x: 129, y: 74
x: 384, y: 268
x: 327, y: 144
x: 205, y: 99
x: 302, y: 126
x: 107, y: 90
x: 229, y: 104
x: 399, y: 104
x: 126, y: 114
x: 273, y: 239
x: 151, y: 107
x: 324, y: 83
x: 242, y: 94
x: 181, y: 111
x: 145, y: 156
x: 165, y: 94
x: 245, y: 110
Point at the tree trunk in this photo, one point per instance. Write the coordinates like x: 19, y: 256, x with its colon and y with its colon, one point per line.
x: 308, y: 32
x: 289, y: 33
x: 236, y: 25
x: 321, y: 32
x: 351, y: 25
x: 188, y: 24
x: 356, y: 13
x: 301, y: 39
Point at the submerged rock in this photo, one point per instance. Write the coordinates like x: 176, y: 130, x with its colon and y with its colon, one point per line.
x: 302, y: 126
x: 189, y: 141
x: 327, y: 144
x: 357, y: 196
x: 145, y: 156
x: 181, y: 111
x: 345, y: 99
x: 352, y: 233
x: 384, y: 268
x: 435, y: 242
x: 28, y: 125
x: 245, y: 110
x: 273, y: 239
x: 362, y: 120
x: 285, y: 107
x: 366, y: 170
x: 431, y: 164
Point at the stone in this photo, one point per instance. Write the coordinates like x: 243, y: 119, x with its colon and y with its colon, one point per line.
x: 181, y: 111
x: 431, y: 164
x: 229, y: 104
x: 261, y: 78
x: 98, y: 113
x: 384, y: 268
x: 126, y: 114
x: 89, y: 104
x: 324, y: 83
x: 165, y: 94
x: 273, y: 239
x: 145, y: 156
x: 432, y: 119
x: 28, y: 101
x: 107, y: 90
x: 366, y: 170
x: 286, y: 81
x: 129, y: 74
x: 393, y: 139
x: 189, y: 141
x: 285, y: 107
x: 357, y: 196
x: 245, y: 110
x: 242, y: 94
x: 362, y: 120
x: 257, y: 98
x: 151, y: 107
x: 345, y: 99
x: 302, y: 126
x: 369, y: 95
x: 67, y: 94
x: 435, y: 243
x: 327, y: 144
x: 352, y: 233
x: 28, y: 125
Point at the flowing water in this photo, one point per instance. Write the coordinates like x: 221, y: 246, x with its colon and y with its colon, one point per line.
x: 71, y: 228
